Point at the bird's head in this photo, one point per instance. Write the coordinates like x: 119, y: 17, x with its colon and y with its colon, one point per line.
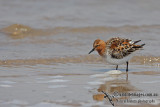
x: 99, y: 46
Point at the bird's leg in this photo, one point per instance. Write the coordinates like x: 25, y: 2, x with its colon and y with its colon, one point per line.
x: 126, y: 76
x: 127, y: 67
x: 117, y: 67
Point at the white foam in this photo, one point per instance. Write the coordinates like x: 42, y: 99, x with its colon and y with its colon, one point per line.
x: 116, y: 72
x: 54, y: 80
x: 7, y: 82
x: 108, y: 79
x: 58, y: 80
x: 6, y: 86
x: 88, y: 88
x: 58, y: 76
x: 106, y: 74
x: 57, y: 86
x: 95, y: 83
x: 15, y: 101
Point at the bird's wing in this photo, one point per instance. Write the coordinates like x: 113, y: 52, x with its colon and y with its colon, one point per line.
x: 119, y: 47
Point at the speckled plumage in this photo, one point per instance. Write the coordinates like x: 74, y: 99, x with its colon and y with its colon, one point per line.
x: 116, y: 50
x: 119, y: 48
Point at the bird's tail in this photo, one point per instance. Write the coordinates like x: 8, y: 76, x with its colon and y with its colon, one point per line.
x: 138, y: 46
x: 136, y: 41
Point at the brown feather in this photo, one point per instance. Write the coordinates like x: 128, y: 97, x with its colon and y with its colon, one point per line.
x: 119, y: 47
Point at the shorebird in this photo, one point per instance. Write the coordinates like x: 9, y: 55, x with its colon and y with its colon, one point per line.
x: 116, y: 50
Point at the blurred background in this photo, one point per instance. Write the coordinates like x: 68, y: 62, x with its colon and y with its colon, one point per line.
x: 44, y: 47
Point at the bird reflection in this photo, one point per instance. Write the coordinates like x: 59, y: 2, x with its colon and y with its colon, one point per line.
x: 116, y: 85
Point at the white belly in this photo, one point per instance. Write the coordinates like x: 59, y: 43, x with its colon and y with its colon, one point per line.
x: 114, y: 61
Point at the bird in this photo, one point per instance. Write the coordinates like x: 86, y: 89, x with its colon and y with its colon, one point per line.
x: 116, y: 50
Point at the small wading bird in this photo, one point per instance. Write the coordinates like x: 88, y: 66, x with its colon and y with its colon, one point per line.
x: 116, y: 50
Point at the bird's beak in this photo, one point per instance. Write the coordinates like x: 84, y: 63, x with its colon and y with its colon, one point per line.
x: 91, y: 50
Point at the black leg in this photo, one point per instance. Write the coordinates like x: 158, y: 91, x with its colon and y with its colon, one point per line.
x: 127, y: 67
x: 116, y: 67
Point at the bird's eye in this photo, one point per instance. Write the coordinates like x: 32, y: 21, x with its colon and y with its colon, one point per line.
x: 97, y: 45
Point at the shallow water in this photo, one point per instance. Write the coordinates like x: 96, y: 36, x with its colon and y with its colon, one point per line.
x: 44, y: 49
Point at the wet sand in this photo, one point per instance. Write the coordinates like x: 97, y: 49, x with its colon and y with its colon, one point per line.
x: 71, y: 85
x: 44, y: 59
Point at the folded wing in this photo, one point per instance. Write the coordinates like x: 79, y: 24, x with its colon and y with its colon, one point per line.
x: 119, y: 47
